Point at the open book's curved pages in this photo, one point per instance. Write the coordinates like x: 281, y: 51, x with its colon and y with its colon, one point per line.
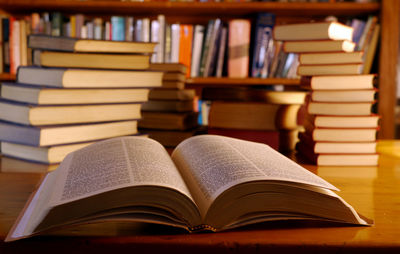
x: 209, y: 182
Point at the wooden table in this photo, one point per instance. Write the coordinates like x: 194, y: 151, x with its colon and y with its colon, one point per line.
x: 373, y: 191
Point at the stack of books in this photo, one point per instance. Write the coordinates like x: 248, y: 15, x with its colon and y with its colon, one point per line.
x: 255, y: 114
x: 96, y: 92
x: 340, y: 128
x: 170, y: 115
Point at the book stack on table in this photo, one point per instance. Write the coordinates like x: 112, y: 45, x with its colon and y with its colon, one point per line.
x: 170, y: 115
x: 77, y: 92
x: 340, y: 128
x: 255, y: 114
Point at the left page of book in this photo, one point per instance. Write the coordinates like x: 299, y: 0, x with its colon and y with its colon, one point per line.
x: 121, y: 177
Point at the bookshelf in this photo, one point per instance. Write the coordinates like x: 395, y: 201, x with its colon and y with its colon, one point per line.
x: 200, y: 12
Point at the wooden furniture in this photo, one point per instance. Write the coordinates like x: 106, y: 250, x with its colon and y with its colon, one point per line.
x: 199, y: 12
x: 373, y: 191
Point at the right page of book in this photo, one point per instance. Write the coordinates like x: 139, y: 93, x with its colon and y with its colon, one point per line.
x: 211, y: 164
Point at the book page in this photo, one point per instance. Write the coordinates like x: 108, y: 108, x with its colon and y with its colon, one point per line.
x: 113, y: 164
x: 211, y: 164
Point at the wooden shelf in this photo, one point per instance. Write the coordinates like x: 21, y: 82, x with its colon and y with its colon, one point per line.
x: 241, y: 81
x: 190, y: 8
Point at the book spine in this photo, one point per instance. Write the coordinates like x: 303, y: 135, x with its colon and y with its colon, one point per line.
x: 118, y: 28
x: 263, y: 34
x: 197, y: 46
x: 175, y: 40
x: 185, y: 46
x: 221, y: 52
x: 238, y: 43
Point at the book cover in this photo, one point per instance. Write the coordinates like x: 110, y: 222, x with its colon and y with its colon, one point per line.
x: 238, y: 46
x: 263, y: 28
x: 185, y: 46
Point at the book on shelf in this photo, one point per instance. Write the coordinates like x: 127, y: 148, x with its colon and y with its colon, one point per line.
x: 37, y: 115
x: 172, y: 94
x: 338, y: 82
x: 343, y: 95
x: 371, y: 49
x: 340, y: 108
x: 69, y: 44
x: 169, y: 105
x: 64, y: 134
x: 331, y: 58
x: 262, y: 39
x: 238, y: 48
x: 185, y: 46
x: 198, y: 35
x: 87, y: 78
x: 313, y: 31
x: 167, y: 187
x: 57, y: 96
x: 168, y: 120
x: 329, y: 69
x: 211, y: 54
x: 318, y: 46
x: 337, y: 159
x: 91, y: 60
x: 253, y: 115
x: 337, y: 147
x: 271, y: 137
x: 253, y: 94
x: 350, y: 121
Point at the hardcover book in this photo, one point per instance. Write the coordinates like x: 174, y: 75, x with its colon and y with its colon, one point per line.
x: 39, y: 115
x: 313, y: 31
x: 64, y: 134
x: 69, y: 44
x: 91, y: 60
x: 87, y: 78
x: 121, y: 181
x: 56, y: 96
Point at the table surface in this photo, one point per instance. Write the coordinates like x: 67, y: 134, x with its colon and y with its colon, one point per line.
x: 373, y: 191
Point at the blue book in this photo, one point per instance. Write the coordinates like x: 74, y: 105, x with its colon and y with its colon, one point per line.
x: 117, y: 28
x: 262, y: 35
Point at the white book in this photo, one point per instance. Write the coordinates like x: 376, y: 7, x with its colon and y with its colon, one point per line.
x: 175, y: 39
x: 155, y: 27
x: 161, y: 39
x: 197, y: 47
x: 146, y: 30
x: 98, y: 28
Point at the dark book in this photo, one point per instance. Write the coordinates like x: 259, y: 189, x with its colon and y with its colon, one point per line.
x: 270, y: 138
x: 169, y: 106
x: 262, y: 35
x: 168, y: 121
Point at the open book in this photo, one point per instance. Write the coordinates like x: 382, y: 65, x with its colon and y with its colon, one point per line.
x: 209, y: 183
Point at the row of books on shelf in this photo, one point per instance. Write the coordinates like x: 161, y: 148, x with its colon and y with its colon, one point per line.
x: 235, y: 49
